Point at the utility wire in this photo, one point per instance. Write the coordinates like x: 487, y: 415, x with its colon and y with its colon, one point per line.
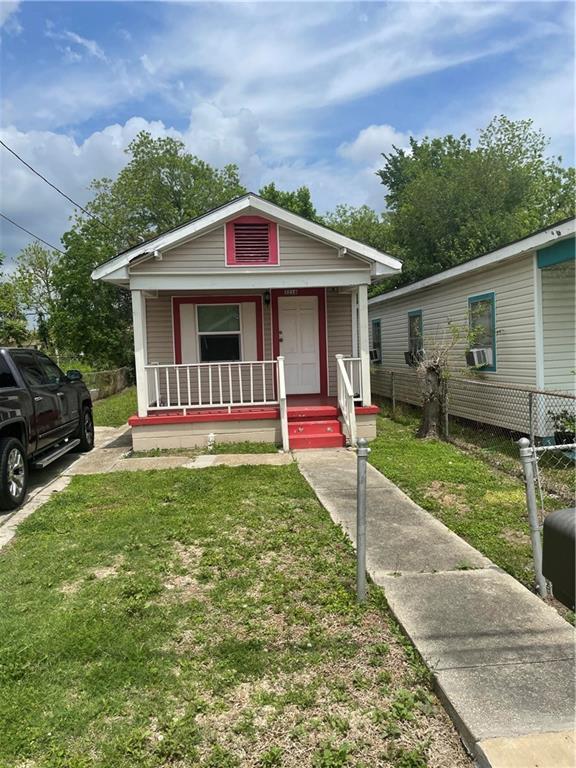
x: 53, y: 247
x: 3, y: 143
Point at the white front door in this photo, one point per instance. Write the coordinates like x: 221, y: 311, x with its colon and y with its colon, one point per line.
x: 298, y: 328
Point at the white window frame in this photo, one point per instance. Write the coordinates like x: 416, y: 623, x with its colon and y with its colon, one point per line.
x: 200, y: 333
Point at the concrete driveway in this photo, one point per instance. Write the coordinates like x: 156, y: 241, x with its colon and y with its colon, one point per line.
x: 110, y: 444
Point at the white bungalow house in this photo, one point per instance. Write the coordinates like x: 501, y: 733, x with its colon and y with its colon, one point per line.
x: 250, y: 323
x: 522, y: 297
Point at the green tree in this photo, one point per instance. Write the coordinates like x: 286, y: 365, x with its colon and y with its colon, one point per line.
x: 299, y: 201
x: 13, y: 328
x: 161, y: 186
x: 449, y: 201
x: 35, y: 287
x: 361, y: 223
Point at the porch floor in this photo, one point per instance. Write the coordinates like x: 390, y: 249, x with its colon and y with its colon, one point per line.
x: 298, y: 406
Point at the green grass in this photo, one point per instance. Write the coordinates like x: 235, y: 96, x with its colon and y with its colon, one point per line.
x: 485, y: 506
x: 114, y: 411
x: 202, y: 618
x: 241, y: 447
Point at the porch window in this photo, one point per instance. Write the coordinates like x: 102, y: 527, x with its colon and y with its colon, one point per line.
x: 219, y: 335
x: 482, y: 325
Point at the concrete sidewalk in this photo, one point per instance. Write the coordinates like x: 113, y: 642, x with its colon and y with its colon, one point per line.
x: 503, y: 660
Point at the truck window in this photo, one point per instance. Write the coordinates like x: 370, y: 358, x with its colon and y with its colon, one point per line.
x: 52, y: 374
x: 6, y: 377
x: 29, y: 368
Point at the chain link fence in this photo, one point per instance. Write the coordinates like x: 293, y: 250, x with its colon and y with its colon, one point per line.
x: 488, y: 419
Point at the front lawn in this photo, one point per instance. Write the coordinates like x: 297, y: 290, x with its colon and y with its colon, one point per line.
x: 114, y: 411
x: 202, y: 618
x: 478, y: 502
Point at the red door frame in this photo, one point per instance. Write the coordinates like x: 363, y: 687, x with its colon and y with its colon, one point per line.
x: 320, y: 293
x: 177, y: 302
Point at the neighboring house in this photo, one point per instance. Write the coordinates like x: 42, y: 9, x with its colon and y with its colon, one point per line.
x: 520, y: 302
x: 250, y: 323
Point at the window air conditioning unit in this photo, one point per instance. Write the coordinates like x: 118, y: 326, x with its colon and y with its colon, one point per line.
x: 479, y: 358
x: 374, y: 356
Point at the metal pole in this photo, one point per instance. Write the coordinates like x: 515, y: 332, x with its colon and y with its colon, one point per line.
x: 393, y: 394
x: 531, y: 416
x: 362, y: 451
x: 527, y: 458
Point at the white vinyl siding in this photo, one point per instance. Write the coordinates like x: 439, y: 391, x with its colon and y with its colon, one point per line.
x: 339, y: 334
x: 159, y: 327
x: 338, y: 321
x: 558, y: 326
x: 513, y: 285
x: 206, y: 253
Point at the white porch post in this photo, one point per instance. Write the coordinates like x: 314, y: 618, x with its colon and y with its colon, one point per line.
x: 364, y: 343
x: 139, y: 322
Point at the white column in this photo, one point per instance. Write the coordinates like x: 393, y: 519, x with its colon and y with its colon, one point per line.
x: 354, y: 299
x: 364, y: 343
x: 139, y: 323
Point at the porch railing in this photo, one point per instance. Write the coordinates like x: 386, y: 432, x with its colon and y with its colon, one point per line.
x: 353, y: 367
x: 202, y: 385
x: 346, y: 400
x: 281, y: 389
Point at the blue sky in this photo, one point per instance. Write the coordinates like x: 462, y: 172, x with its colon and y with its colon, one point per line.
x: 299, y: 93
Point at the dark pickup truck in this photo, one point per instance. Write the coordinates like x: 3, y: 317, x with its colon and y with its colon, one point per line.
x: 44, y: 413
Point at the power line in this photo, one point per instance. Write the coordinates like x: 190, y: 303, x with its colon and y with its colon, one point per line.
x: 53, y: 247
x: 3, y: 143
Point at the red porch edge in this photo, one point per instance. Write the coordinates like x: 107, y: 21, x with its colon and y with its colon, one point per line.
x: 241, y: 414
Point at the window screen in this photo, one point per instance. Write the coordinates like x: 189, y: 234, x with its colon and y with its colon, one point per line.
x: 482, y: 321
x: 415, y: 331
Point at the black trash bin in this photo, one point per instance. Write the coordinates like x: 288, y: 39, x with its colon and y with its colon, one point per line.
x: 559, y: 554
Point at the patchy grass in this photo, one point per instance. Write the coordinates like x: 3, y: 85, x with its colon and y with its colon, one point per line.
x: 203, y: 618
x: 241, y: 447
x: 114, y: 411
x: 477, y: 501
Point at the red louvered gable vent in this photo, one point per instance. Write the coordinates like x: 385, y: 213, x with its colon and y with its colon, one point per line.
x: 251, y: 243
x: 251, y: 240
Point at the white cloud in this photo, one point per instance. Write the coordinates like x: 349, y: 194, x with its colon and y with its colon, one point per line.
x: 89, y: 46
x: 7, y: 8
x: 371, y: 142
x: 8, y: 19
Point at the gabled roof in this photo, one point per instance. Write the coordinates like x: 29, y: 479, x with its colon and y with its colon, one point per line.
x: 544, y: 237
x: 230, y: 210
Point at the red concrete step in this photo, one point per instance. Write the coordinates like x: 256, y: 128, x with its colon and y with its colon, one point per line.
x: 312, y: 412
x: 326, y: 440
x: 319, y: 427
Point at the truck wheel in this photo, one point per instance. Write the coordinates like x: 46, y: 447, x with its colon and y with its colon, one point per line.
x: 13, y: 473
x: 86, y: 431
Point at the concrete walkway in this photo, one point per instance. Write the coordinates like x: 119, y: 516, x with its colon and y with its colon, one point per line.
x: 503, y: 660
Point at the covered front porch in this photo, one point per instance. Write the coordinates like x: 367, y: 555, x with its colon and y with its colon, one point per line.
x: 286, y: 365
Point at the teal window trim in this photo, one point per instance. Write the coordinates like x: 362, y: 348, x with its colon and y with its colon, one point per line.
x: 491, y: 297
x: 377, y: 337
x: 557, y: 253
x: 415, y: 313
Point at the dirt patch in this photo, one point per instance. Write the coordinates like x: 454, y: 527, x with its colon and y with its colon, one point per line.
x: 183, y: 587
x: 513, y: 536
x: 448, y: 495
x: 344, y: 701
x: 105, y: 572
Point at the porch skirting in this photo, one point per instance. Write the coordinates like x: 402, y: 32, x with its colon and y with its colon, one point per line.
x: 185, y: 434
